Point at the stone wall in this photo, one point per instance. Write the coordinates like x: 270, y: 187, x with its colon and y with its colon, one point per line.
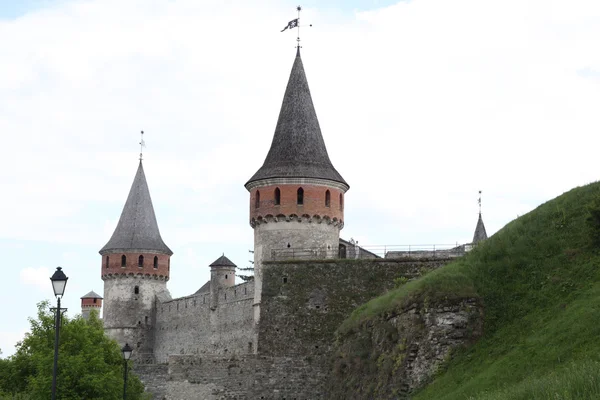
x: 187, y: 325
x: 391, y: 355
x: 129, y: 314
x: 304, y: 302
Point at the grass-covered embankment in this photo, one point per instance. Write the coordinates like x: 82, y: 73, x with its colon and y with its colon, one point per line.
x: 539, y: 280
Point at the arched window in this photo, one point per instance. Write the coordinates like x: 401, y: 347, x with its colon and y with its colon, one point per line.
x: 169, y: 265
x: 257, y: 200
x: 141, y: 261
x: 123, y: 261
x: 327, y: 199
x: 300, y: 200
x: 155, y: 262
x: 277, y: 196
x: 136, y: 290
x: 106, y: 261
x: 341, y: 202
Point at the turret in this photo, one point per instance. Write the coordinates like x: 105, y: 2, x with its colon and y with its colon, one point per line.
x: 222, y: 275
x: 297, y: 196
x: 135, y: 268
x: 89, y: 302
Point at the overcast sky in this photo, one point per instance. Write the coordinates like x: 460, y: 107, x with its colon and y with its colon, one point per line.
x: 421, y: 103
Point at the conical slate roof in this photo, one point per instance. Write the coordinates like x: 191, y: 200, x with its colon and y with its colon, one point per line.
x: 222, y: 262
x: 298, y: 149
x: 92, y: 295
x: 480, y: 233
x: 137, y: 228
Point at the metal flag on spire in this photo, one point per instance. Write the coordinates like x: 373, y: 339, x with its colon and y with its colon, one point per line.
x: 479, y: 202
x: 142, y: 145
x: 295, y: 23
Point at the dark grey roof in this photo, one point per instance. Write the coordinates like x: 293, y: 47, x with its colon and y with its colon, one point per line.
x: 204, y: 289
x: 298, y: 149
x: 137, y: 228
x: 222, y: 262
x: 92, y: 295
x: 480, y: 233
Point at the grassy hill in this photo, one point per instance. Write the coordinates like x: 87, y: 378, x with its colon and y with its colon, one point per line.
x: 539, y: 280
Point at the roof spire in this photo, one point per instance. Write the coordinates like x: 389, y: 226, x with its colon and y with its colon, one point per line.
x: 137, y: 228
x: 142, y: 145
x: 298, y: 149
x: 480, y: 233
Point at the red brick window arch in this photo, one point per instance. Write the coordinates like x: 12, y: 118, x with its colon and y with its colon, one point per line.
x: 257, y: 199
x: 106, y: 261
x: 155, y: 262
x: 141, y: 261
x: 300, y: 196
x: 123, y: 261
x: 341, y: 202
x: 277, y: 196
x: 328, y: 199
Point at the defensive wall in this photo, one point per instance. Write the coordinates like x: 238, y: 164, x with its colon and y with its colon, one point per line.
x: 303, y: 304
x: 187, y: 325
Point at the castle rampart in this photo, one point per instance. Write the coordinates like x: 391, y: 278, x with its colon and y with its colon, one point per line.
x: 188, y: 325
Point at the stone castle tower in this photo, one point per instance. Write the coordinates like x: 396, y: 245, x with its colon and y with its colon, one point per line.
x: 135, y: 268
x: 297, y: 196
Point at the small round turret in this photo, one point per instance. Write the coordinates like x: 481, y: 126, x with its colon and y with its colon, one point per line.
x: 89, y: 302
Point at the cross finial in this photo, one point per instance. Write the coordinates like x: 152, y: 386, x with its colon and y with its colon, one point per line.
x: 479, y: 202
x: 142, y: 145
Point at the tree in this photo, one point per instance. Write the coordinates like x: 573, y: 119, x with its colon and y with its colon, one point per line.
x: 90, y: 365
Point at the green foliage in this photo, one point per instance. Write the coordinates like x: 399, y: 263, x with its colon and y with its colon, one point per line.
x: 90, y: 365
x: 539, y: 281
x: 399, y: 281
x: 593, y: 221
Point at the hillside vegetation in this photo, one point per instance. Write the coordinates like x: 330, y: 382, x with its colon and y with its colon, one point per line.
x: 539, y: 281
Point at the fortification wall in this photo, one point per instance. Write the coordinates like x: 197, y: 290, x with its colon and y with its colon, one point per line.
x: 304, y: 302
x: 242, y: 377
x: 187, y: 325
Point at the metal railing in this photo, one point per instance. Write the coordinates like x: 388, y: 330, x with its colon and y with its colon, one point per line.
x: 372, y: 251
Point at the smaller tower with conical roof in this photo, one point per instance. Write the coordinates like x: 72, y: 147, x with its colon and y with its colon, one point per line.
x: 89, y: 302
x: 222, y: 275
x: 135, y: 268
x: 480, y: 233
x: 297, y: 196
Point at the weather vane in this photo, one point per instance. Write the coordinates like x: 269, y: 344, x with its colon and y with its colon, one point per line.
x: 295, y: 23
x: 479, y: 202
x: 142, y: 145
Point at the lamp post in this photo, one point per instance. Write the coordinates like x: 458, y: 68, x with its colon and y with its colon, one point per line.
x: 126, y: 350
x: 59, y: 282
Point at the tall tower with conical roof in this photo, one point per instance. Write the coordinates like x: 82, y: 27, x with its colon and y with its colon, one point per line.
x: 135, y: 268
x: 297, y: 196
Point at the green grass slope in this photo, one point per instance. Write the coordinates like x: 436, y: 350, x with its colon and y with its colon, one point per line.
x: 539, y: 278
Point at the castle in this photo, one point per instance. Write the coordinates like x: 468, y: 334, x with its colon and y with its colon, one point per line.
x: 268, y: 337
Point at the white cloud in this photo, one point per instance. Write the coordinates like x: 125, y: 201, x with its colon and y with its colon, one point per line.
x: 38, y: 277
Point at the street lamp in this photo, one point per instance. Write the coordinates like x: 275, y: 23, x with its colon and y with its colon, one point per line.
x: 126, y: 350
x: 59, y: 282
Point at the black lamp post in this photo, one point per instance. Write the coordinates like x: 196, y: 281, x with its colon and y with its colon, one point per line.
x: 126, y: 350
x: 59, y: 282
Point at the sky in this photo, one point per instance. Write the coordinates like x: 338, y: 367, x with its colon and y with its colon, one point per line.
x: 422, y: 103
